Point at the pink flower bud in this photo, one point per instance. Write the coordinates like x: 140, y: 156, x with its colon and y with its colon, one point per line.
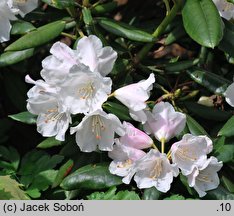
x: 135, y: 138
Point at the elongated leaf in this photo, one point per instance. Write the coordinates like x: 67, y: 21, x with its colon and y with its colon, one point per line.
x: 110, y: 195
x: 125, y: 30
x: 25, y: 117
x: 12, y: 188
x: 202, y: 22
x: 49, y: 142
x: 151, y: 194
x: 228, y: 129
x: 91, y: 177
x: 104, y: 8
x: 60, y: 4
x: 38, y: 37
x: 21, y: 27
x: 205, y: 112
x: 194, y: 127
x: 214, y: 83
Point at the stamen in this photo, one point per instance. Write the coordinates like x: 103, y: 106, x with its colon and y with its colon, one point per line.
x: 157, y: 169
x: 126, y: 163
x: 97, y: 126
x: 184, y: 153
x: 204, y: 177
x: 53, y: 115
x: 86, y: 91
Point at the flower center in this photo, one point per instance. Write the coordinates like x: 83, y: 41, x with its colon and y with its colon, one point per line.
x: 204, y: 177
x: 157, y: 169
x: 97, y: 126
x: 20, y: 1
x: 53, y: 115
x: 86, y: 91
x: 124, y: 164
x: 185, y: 153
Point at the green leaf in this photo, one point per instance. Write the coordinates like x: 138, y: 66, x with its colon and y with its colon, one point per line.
x: 228, y: 184
x: 194, y: 127
x: 117, y: 109
x: 93, y: 177
x: 111, y: 195
x: 38, y: 37
x: 202, y: 22
x: 9, y: 186
x: 224, y: 149
x: 151, y: 194
x: 213, y: 82
x: 175, y: 197
x: 227, y: 44
x: 13, y: 57
x: 104, y: 8
x: 20, y: 27
x: 228, y: 129
x: 205, y: 112
x: 87, y: 17
x: 11, y: 155
x: 63, y: 172
x: 49, y: 142
x: 25, y: 117
x: 220, y: 194
x: 60, y: 4
x: 124, y: 30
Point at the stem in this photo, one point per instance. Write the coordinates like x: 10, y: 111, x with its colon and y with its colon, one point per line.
x: 154, y: 146
x: 166, y: 2
x: 159, y: 30
x: 111, y: 95
x: 69, y: 35
x: 162, y: 145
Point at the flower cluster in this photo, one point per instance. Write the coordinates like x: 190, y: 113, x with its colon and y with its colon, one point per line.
x: 8, y: 11
x: 75, y: 82
x: 157, y: 169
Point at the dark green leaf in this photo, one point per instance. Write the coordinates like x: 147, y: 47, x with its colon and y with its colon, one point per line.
x: 11, y: 155
x: 151, y: 194
x: 175, y: 197
x: 91, y: 177
x: 220, y: 194
x: 202, y: 22
x: 60, y: 4
x: 228, y: 129
x: 20, y: 27
x: 104, y: 8
x: 48, y: 143
x: 25, y: 117
x: 194, y: 127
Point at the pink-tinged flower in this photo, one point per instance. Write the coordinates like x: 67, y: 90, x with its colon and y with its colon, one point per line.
x: 92, y: 54
x: 53, y: 118
x: 135, y: 138
x: 191, y: 152
x: 164, y: 122
x: 225, y: 8
x: 97, y: 130
x: 124, y: 158
x: 205, y: 178
x: 229, y: 95
x: 139, y: 116
x: 134, y: 96
x: 84, y: 91
x: 153, y: 170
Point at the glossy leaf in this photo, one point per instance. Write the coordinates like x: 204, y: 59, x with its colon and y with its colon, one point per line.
x: 151, y: 194
x: 60, y: 4
x: 25, y: 117
x: 202, y: 22
x: 112, y: 195
x: 213, y: 82
x: 228, y: 129
x: 21, y: 27
x: 125, y: 30
x: 104, y: 8
x: 194, y: 127
x: 48, y: 143
x: 93, y: 177
x: 38, y: 37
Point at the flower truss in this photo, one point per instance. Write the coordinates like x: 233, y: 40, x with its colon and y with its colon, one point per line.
x: 8, y: 11
x: 76, y: 84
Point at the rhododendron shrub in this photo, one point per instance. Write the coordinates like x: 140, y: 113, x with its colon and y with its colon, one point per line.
x: 109, y: 95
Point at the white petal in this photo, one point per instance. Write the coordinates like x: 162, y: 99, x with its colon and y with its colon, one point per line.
x: 26, y: 7
x: 139, y: 116
x: 229, y: 95
x: 5, y: 28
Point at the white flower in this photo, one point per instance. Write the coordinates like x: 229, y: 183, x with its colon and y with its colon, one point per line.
x: 191, y: 152
x: 84, y: 91
x: 139, y: 116
x: 135, y: 138
x: 134, y: 95
x: 53, y: 118
x: 56, y: 66
x: 97, y: 129
x: 154, y: 169
x: 225, y: 8
x: 8, y: 10
x: 92, y: 54
x: 229, y: 95
x: 123, y: 158
x: 164, y: 122
x: 205, y: 178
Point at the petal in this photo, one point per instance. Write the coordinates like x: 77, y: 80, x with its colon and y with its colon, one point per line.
x: 139, y: 116
x: 229, y: 95
x: 26, y: 7
x: 5, y: 28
